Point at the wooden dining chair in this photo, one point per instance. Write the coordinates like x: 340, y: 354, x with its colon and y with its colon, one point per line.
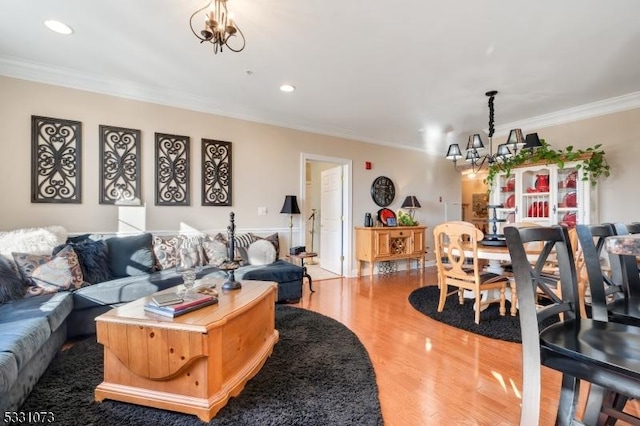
x: 464, y: 272
x: 594, y: 350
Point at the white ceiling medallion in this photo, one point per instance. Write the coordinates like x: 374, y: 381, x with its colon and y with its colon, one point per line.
x: 287, y: 88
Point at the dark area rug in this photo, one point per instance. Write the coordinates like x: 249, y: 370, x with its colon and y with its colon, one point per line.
x: 425, y: 300
x: 319, y: 374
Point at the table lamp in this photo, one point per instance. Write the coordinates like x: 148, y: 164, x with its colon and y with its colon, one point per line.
x: 411, y: 203
x: 290, y: 207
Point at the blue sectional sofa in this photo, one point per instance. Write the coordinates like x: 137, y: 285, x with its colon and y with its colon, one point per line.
x: 33, y: 329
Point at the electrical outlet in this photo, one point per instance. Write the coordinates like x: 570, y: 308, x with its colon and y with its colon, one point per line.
x: 262, y: 211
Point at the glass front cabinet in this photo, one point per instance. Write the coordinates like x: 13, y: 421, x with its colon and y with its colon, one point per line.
x: 544, y: 194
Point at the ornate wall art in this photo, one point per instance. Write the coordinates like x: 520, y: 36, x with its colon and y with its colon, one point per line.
x: 216, y: 173
x: 172, y: 170
x: 120, y: 166
x: 55, y: 160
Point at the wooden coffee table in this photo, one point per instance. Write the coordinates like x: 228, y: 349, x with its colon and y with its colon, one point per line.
x: 192, y: 363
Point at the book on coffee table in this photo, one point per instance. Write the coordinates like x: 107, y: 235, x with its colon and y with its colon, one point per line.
x: 187, y: 300
x: 165, y: 299
x: 172, y: 312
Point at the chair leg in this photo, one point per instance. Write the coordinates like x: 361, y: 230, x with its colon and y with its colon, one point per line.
x: 594, y: 404
x: 443, y: 295
x: 478, y: 306
x: 567, y: 406
x: 514, y: 298
x: 503, y: 301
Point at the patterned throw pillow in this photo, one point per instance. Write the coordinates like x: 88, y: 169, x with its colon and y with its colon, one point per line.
x: 240, y: 241
x: 49, y: 274
x: 166, y: 250
x: 191, y: 252
x: 215, y: 248
x: 93, y: 257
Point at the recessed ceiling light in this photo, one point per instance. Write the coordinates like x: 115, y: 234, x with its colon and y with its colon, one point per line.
x: 287, y: 88
x: 58, y: 27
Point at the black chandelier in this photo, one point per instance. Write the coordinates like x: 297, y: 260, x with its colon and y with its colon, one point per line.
x: 219, y: 27
x: 515, y: 141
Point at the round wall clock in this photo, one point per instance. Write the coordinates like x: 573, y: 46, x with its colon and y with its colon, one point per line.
x: 383, y: 191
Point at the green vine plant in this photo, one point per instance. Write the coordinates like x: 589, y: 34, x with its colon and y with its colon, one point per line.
x: 593, y: 163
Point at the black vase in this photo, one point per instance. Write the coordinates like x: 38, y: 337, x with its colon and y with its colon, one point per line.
x: 368, y: 220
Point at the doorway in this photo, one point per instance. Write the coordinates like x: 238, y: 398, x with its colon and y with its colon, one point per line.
x: 326, y: 197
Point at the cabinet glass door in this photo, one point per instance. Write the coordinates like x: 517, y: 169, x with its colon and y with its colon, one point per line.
x: 504, y: 196
x: 568, y: 197
x: 536, y: 204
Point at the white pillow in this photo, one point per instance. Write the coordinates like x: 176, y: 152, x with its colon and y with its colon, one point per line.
x: 32, y: 240
x: 261, y: 252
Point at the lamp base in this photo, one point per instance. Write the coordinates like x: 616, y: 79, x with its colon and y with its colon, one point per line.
x: 231, y: 283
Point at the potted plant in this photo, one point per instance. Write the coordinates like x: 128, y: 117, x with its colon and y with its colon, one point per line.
x: 593, y: 163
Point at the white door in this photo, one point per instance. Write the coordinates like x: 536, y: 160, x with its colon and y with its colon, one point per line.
x: 331, y: 220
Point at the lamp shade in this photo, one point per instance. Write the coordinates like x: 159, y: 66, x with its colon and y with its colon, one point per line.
x: 453, y: 153
x: 532, y: 141
x: 515, y: 138
x: 290, y: 205
x: 411, y: 202
x: 503, y: 150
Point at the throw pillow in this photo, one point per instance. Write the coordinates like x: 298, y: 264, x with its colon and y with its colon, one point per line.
x: 273, y: 239
x: 191, y: 251
x: 50, y: 274
x: 132, y: 255
x: 31, y: 240
x: 11, y: 285
x: 216, y: 249
x: 261, y: 252
x: 165, y: 249
x: 93, y: 257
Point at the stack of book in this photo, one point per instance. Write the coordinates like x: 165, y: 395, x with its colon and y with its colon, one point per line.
x: 174, y: 304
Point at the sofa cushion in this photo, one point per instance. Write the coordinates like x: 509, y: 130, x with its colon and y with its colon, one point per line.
x: 215, y: 250
x: 53, y: 307
x: 261, y: 252
x: 8, y: 371
x: 11, y: 285
x: 45, y: 274
x: 273, y: 239
x: 32, y: 240
x: 93, y: 257
x: 24, y: 338
x: 166, y: 250
x: 131, y: 255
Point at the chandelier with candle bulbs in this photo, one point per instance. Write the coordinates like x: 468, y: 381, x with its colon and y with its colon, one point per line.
x: 475, y: 146
x: 219, y: 27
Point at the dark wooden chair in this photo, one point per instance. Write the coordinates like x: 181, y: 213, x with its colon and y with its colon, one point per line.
x: 604, y: 354
x: 617, y: 295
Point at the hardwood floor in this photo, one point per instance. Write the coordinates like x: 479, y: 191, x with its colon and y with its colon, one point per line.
x: 428, y: 373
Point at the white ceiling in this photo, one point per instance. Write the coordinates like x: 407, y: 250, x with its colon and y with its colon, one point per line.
x: 409, y: 72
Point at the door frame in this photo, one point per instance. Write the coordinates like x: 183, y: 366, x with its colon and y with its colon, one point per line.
x: 347, y: 167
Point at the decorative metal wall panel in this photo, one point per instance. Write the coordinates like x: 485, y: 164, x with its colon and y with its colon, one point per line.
x: 216, y: 173
x: 55, y: 160
x: 120, y: 166
x: 172, y: 170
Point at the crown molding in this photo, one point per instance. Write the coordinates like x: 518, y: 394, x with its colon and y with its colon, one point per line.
x: 57, y: 76
x: 581, y: 112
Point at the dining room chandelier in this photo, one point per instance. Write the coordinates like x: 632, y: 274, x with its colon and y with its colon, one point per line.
x: 219, y: 27
x: 475, y: 146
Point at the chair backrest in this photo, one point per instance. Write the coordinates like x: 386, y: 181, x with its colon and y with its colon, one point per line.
x: 592, y: 238
x: 451, y: 240
x: 533, y: 318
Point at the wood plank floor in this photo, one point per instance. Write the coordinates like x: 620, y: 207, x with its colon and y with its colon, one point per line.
x: 428, y: 373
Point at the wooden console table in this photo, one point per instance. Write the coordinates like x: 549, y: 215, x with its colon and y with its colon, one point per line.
x: 378, y: 244
x: 192, y: 363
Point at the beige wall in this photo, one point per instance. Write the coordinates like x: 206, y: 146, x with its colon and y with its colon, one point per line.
x: 266, y: 166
